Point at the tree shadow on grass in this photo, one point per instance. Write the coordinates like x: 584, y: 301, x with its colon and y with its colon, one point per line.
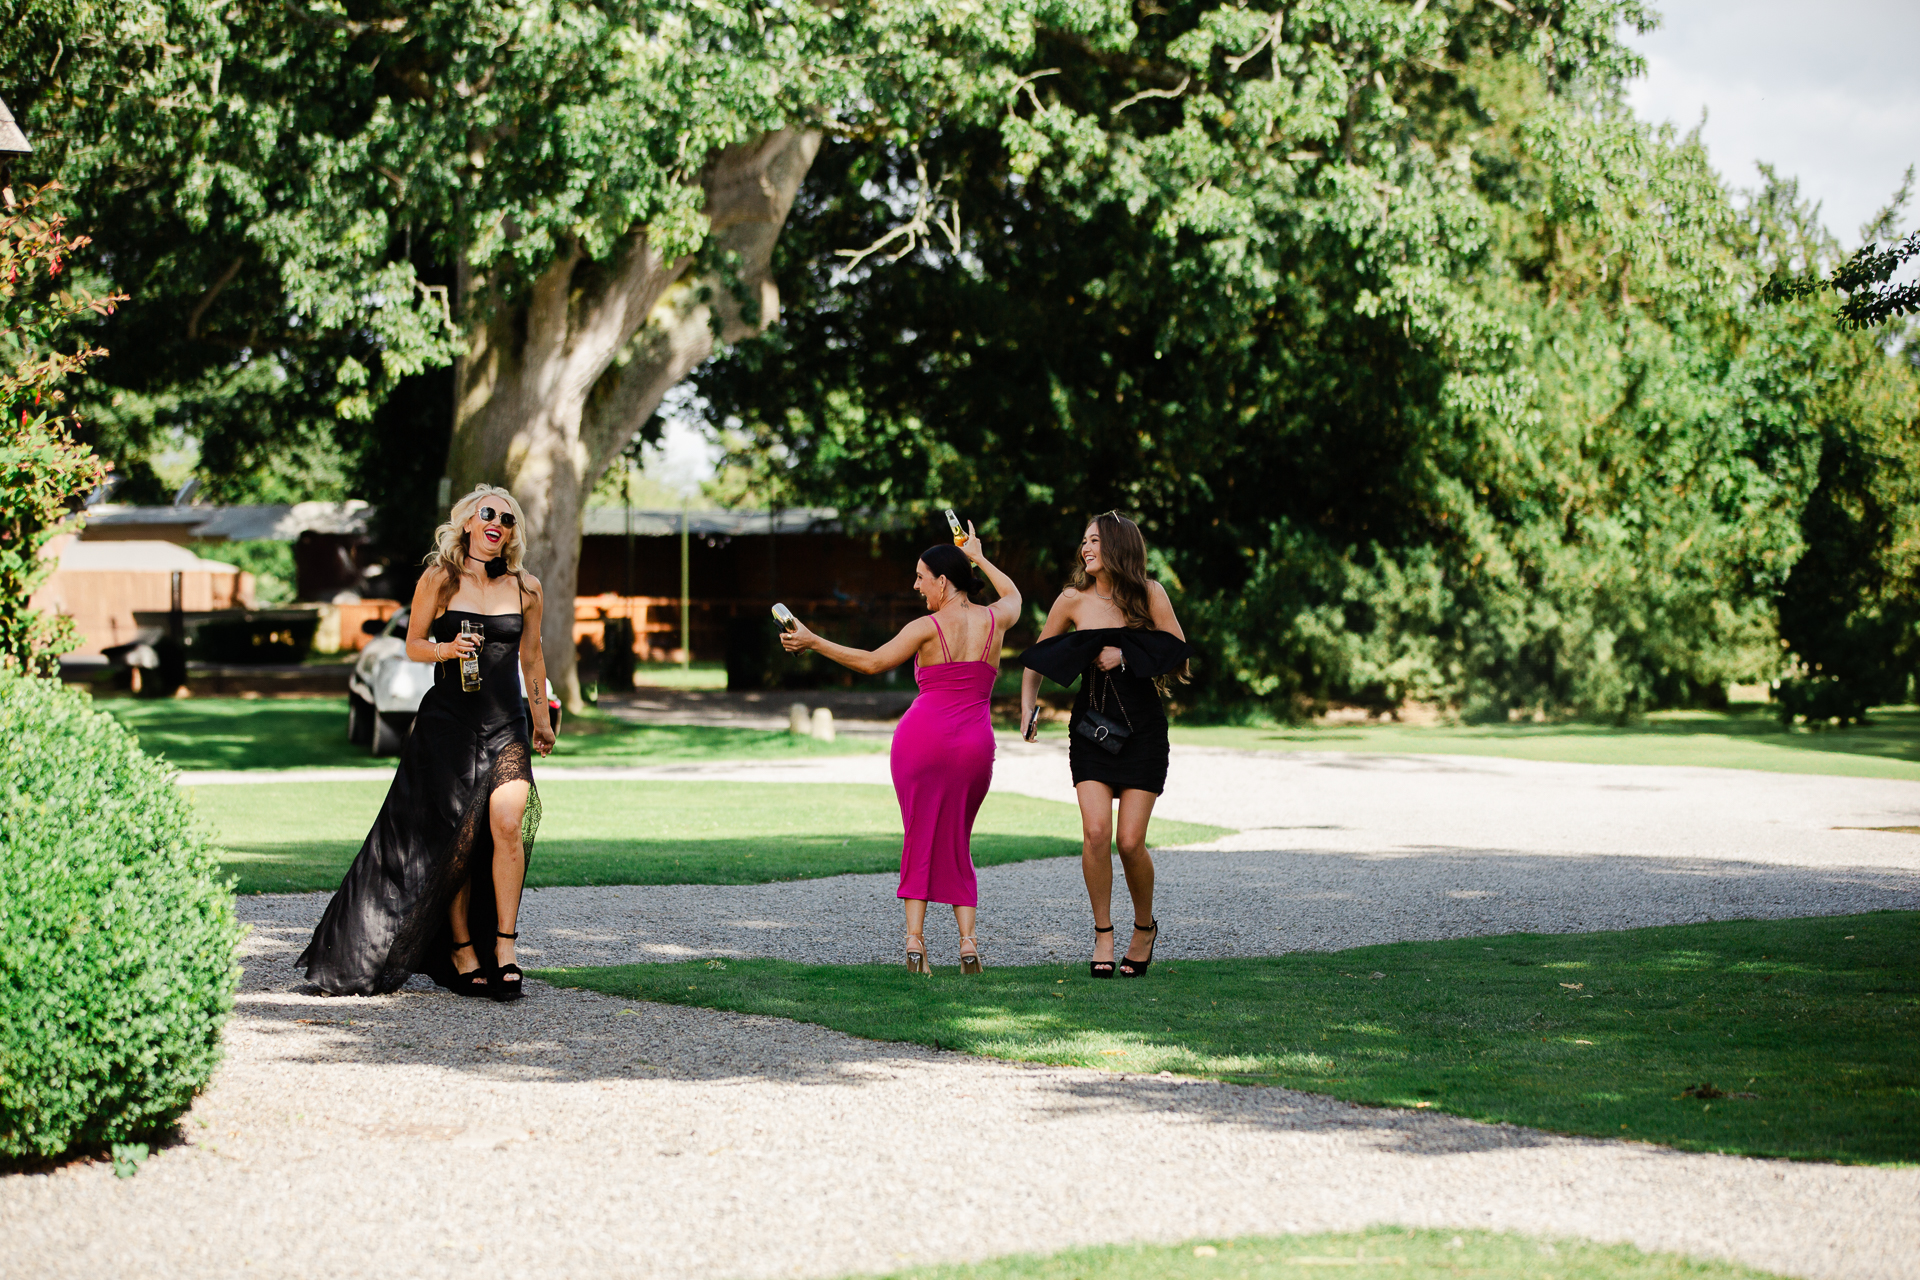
x: 560, y: 1036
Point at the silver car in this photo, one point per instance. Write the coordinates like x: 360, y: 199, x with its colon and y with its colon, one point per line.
x: 386, y: 687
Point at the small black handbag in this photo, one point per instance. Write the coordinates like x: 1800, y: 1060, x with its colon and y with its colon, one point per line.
x: 1101, y: 729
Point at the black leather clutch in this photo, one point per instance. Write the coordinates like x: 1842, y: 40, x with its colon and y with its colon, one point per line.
x: 1109, y: 735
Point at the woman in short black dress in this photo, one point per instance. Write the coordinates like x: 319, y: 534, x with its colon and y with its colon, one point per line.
x: 1124, y: 641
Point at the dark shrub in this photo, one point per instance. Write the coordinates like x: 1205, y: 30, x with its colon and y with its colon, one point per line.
x: 116, y: 940
x: 241, y: 639
x: 617, y: 659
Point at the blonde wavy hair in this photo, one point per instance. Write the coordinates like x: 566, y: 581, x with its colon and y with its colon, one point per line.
x: 450, y: 539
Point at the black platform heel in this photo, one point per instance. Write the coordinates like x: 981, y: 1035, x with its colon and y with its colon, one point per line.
x: 1100, y: 968
x: 502, y: 990
x: 1138, y: 968
x: 474, y: 981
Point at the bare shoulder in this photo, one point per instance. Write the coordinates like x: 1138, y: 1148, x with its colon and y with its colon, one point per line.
x: 530, y: 585
x: 430, y: 586
x: 1157, y: 593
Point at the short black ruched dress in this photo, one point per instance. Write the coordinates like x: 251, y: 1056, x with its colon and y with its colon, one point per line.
x: 388, y: 919
x: 1127, y: 697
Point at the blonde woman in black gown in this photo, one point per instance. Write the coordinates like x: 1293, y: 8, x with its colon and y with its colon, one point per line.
x: 1112, y: 629
x: 436, y: 887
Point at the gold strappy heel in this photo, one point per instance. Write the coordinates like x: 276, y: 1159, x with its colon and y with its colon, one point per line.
x: 970, y: 963
x: 917, y: 956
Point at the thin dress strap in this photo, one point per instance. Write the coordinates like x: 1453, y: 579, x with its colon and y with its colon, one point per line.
x: 989, y: 645
x: 944, y: 651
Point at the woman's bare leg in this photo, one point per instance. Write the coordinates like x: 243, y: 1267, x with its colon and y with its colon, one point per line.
x: 1096, y: 860
x: 1136, y: 808
x: 963, y: 920
x: 465, y: 959
x: 504, y: 812
x: 916, y: 922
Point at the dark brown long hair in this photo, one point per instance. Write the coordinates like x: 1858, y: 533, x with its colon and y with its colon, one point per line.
x: 1123, y: 550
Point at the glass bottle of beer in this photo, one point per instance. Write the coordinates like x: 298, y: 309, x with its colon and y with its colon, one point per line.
x: 959, y: 533
x: 470, y: 665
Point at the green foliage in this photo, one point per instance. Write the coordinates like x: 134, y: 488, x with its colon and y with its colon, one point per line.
x: 1849, y: 612
x: 310, y: 200
x: 269, y: 560
x: 1378, y: 1253
x: 44, y: 470
x: 1787, y: 1038
x: 116, y: 940
x: 1865, y: 278
x: 1425, y: 367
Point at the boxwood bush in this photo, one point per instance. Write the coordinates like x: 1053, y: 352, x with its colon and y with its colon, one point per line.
x: 117, y: 964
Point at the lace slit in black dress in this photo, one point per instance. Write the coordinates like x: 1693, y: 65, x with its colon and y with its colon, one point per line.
x: 388, y: 919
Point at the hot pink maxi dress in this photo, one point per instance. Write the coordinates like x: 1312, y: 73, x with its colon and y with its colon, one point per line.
x: 942, y: 765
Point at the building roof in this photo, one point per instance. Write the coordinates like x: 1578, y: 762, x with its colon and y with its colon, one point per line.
x: 12, y: 140
x: 134, y: 555
x: 652, y: 523
x: 282, y: 523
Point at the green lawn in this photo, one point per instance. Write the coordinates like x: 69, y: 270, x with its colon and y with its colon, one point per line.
x: 1787, y: 1038
x: 282, y: 837
x: 1381, y: 1253
x: 664, y: 675
x: 1739, y: 739
x: 287, y: 733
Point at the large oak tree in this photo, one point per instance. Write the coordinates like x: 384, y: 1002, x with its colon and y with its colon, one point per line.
x: 312, y: 201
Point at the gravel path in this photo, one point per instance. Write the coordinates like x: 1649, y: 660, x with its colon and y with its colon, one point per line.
x: 574, y: 1134
x: 1336, y: 851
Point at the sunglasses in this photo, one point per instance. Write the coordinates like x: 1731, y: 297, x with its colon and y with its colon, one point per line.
x: 488, y: 514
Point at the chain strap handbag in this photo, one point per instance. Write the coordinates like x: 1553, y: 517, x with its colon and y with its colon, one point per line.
x: 1097, y: 726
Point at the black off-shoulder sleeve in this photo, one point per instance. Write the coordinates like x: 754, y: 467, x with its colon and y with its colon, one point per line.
x: 1147, y: 653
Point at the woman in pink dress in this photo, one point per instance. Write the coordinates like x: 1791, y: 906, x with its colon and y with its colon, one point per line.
x: 943, y: 747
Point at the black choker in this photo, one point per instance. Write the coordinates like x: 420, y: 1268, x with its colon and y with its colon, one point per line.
x: 496, y: 567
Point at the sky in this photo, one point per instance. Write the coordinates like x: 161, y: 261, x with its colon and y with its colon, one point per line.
x: 1827, y: 92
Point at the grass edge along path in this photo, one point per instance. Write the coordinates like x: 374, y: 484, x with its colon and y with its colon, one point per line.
x: 1749, y: 739
x: 1771, y: 1038
x: 311, y: 733
x: 294, y: 837
x: 1378, y: 1253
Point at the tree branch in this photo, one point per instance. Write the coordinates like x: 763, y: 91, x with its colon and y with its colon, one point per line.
x: 1124, y: 103
x: 206, y: 299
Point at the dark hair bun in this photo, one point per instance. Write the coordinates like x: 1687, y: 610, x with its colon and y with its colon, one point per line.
x: 950, y: 562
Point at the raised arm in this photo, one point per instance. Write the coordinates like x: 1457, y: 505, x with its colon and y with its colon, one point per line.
x: 1007, y: 608
x: 1057, y: 619
x: 866, y: 661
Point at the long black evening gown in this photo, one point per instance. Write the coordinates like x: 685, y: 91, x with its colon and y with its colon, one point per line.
x: 1127, y: 697
x: 389, y: 917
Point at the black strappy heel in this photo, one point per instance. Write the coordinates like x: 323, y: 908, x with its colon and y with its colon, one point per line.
x: 1100, y: 968
x: 1138, y: 968
x: 502, y: 990
x: 474, y: 981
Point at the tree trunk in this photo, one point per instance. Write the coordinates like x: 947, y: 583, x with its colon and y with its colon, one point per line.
x: 553, y: 387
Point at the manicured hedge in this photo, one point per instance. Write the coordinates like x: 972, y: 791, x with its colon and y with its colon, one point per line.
x: 117, y: 941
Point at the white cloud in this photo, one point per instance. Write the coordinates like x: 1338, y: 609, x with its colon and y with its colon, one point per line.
x: 1824, y: 92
